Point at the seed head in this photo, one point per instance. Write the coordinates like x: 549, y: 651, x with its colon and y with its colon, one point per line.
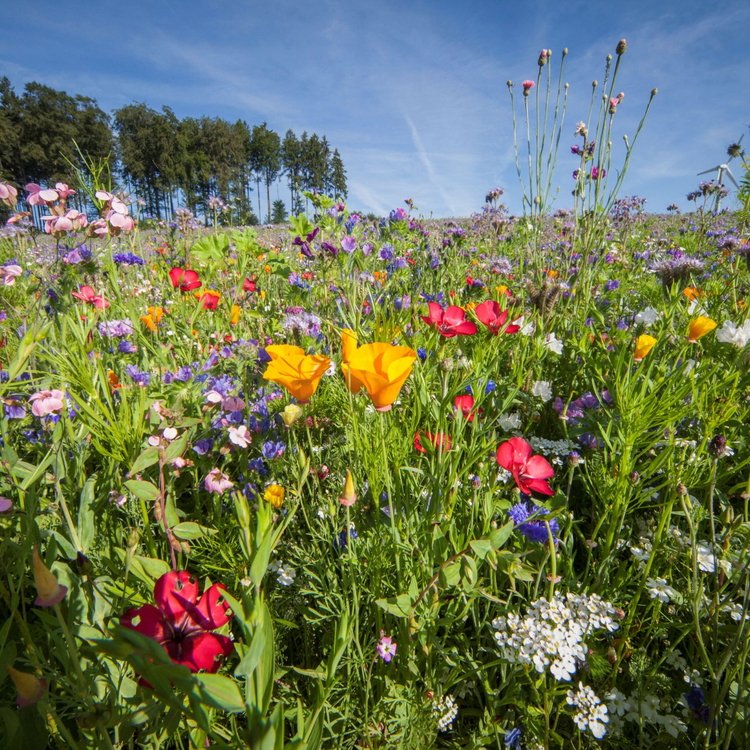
x: 622, y: 45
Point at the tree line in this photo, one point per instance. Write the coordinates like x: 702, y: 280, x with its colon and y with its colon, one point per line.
x: 164, y: 160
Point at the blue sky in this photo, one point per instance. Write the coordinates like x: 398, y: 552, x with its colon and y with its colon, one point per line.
x: 412, y: 94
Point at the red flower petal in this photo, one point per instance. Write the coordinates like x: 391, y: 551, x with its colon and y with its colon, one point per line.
x: 538, y: 467
x: 176, y: 594
x: 212, y: 611
x: 534, y: 484
x: 146, y: 620
x: 201, y: 651
x: 514, y: 453
x: 435, y: 315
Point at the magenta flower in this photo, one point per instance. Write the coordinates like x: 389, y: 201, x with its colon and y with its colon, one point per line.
x: 217, y: 481
x: 527, y: 86
x: 183, y: 622
x: 386, y: 647
x: 47, y: 402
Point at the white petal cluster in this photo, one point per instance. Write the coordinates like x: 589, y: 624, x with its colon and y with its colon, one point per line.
x: 730, y: 333
x: 285, y: 574
x: 658, y: 588
x: 445, y: 710
x: 551, y: 634
x: 591, y: 713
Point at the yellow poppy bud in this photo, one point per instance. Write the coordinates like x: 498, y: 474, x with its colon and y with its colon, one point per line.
x: 699, y: 327
x: 643, y: 345
x: 348, y: 496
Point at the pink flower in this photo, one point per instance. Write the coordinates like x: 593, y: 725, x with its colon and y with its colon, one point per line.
x: 38, y: 196
x: 217, y: 482
x: 69, y: 221
x: 87, y: 294
x: 449, y: 322
x: 9, y: 274
x: 527, y: 86
x: 47, y: 402
x: 597, y: 173
x: 529, y: 472
x: 386, y: 647
x: 183, y: 622
x: 8, y: 194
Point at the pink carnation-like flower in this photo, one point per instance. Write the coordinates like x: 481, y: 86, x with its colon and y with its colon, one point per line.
x: 47, y: 402
x: 217, y: 481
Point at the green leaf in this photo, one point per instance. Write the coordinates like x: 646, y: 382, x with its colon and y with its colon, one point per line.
x: 148, y: 457
x: 86, y: 514
x: 499, y: 536
x: 481, y: 547
x: 400, y: 605
x: 450, y: 575
x: 221, y: 692
x: 143, y: 490
x: 191, y: 530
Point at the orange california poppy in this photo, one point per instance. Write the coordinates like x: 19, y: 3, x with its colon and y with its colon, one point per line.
x: 297, y: 372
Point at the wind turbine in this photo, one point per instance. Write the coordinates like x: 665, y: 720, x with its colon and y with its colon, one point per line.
x: 723, y: 169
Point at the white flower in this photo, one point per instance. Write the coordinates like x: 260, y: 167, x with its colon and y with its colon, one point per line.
x: 542, y: 389
x: 592, y: 713
x: 647, y: 317
x: 240, y: 436
x: 285, y: 574
x: 706, y: 558
x: 510, y: 422
x: 729, y: 333
x: 618, y: 703
x: 170, y: 433
x: 659, y: 589
x: 553, y: 343
x: 527, y: 329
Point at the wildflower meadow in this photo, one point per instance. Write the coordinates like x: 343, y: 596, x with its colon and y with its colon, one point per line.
x: 381, y: 482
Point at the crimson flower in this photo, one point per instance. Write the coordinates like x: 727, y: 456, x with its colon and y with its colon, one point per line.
x: 209, y: 299
x: 494, y: 318
x: 439, y: 441
x: 250, y: 285
x: 184, y: 279
x: 530, y: 472
x: 449, y: 322
x: 465, y: 404
x: 182, y: 622
x: 87, y: 294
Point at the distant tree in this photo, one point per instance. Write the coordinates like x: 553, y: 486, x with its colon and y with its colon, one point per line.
x: 265, y: 160
x: 10, y: 132
x: 291, y: 160
x: 337, y: 176
x: 279, y: 215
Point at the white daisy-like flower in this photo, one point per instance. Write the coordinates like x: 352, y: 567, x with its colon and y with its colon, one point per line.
x: 659, y: 589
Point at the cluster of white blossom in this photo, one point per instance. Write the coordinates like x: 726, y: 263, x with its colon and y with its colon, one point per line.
x: 445, y: 711
x: 552, y: 633
x: 591, y: 713
x: 644, y: 710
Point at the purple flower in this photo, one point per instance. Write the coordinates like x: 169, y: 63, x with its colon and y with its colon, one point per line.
x: 115, y: 328
x: 128, y: 259
x: 530, y: 520
x: 386, y: 252
x: 386, y: 648
x: 139, y: 377
x: 127, y: 347
x: 203, y: 446
x: 348, y: 244
x: 273, y: 449
x: 611, y: 285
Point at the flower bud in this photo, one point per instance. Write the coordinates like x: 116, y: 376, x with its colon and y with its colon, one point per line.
x: 717, y: 446
x: 291, y: 414
x: 622, y: 45
x: 29, y: 688
x: 49, y: 591
x: 348, y: 497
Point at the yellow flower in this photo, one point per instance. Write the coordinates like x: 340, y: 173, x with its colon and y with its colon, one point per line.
x: 643, y: 345
x: 153, y: 318
x: 348, y: 344
x: 296, y: 371
x: 692, y: 293
x: 49, y: 591
x: 274, y: 494
x: 234, y: 315
x: 291, y: 414
x: 381, y: 369
x: 699, y: 327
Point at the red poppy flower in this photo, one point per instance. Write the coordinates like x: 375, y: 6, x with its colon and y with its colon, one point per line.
x: 449, y: 322
x: 494, y: 318
x: 530, y: 472
x: 184, y: 279
x: 465, y: 404
x: 209, y: 300
x: 87, y: 294
x: 250, y: 285
x: 182, y: 622
x: 439, y: 441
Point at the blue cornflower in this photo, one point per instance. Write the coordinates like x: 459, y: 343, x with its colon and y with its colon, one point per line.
x: 128, y: 259
x: 490, y: 387
x: 535, y: 528
x: 127, y: 347
x: 139, y: 377
x: 258, y: 465
x: 342, y: 539
x: 272, y: 449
